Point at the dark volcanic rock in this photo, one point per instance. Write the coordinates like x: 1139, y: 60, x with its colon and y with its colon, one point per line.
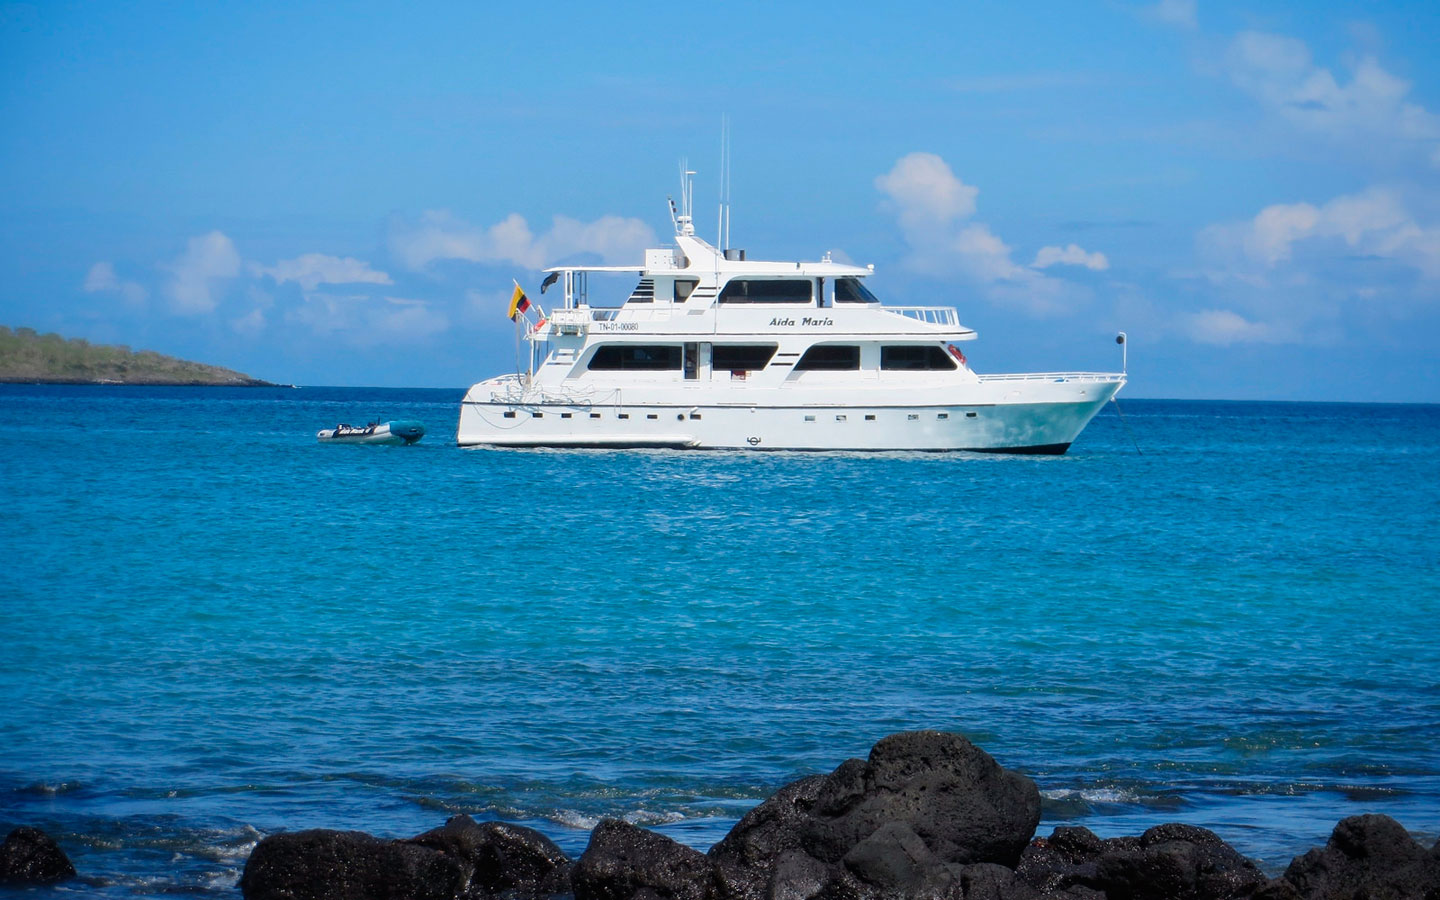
x: 1168, y: 862
x: 892, y: 859
x: 1370, y: 857
x: 1178, y: 862
x: 503, y: 860
x: 1070, y: 856
x: 950, y: 793
x: 623, y: 862
x: 30, y: 856
x: 889, y: 825
x: 747, y: 859
x: 349, y: 865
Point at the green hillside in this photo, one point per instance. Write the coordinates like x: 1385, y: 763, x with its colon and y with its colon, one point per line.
x: 26, y: 356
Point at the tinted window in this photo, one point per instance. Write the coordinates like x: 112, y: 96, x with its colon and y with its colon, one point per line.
x: 830, y: 357
x: 749, y: 290
x: 915, y: 356
x: 742, y: 356
x: 637, y: 356
x: 850, y: 290
x: 684, y: 287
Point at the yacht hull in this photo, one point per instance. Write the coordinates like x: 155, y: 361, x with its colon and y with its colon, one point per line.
x: 1043, y: 424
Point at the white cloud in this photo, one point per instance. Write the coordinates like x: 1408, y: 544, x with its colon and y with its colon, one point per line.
x: 440, y: 235
x: 980, y: 252
x: 197, y: 274
x: 250, y: 324
x: 932, y: 204
x: 926, y: 193
x: 1180, y: 13
x: 1223, y: 327
x: 1280, y: 72
x: 1372, y: 223
x: 314, y: 269
x: 1071, y: 255
x: 102, y: 279
x: 365, y: 321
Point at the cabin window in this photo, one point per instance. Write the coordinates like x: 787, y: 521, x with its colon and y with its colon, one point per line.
x: 741, y: 356
x: 915, y: 357
x: 830, y: 358
x: 850, y: 290
x: 684, y: 287
x: 754, y: 290
x: 642, y: 357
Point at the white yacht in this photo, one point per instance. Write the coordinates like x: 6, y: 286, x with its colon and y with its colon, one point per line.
x: 715, y: 351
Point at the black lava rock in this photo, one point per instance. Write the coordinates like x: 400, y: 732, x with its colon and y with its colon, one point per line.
x: 889, y: 825
x: 349, y: 865
x: 1178, y: 862
x: 1168, y: 862
x: 30, y: 856
x: 625, y: 862
x: 503, y: 861
x: 954, y: 796
x: 1371, y: 857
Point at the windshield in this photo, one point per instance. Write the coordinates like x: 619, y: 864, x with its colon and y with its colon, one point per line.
x: 850, y: 290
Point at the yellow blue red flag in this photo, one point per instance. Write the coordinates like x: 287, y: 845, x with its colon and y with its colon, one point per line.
x: 519, y: 303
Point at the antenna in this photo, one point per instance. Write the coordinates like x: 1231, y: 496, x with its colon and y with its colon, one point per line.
x: 724, y: 236
x: 724, y: 175
x: 684, y: 224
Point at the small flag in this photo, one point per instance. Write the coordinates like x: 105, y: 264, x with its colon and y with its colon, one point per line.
x: 519, y: 303
x: 549, y: 280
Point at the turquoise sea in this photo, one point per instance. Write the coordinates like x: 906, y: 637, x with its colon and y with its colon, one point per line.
x: 213, y: 628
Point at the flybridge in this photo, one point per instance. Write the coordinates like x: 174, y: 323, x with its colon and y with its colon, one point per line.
x: 698, y: 273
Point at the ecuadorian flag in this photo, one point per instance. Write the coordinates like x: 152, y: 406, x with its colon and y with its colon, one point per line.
x: 519, y: 303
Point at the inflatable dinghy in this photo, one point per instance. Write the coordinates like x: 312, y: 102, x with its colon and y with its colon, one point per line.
x: 399, y: 431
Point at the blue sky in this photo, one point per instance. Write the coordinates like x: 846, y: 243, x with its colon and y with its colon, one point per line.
x: 340, y: 194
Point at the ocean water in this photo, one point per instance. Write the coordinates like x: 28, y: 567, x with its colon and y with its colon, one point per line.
x: 213, y: 628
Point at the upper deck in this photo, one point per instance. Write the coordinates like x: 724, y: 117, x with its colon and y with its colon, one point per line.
x: 695, y: 288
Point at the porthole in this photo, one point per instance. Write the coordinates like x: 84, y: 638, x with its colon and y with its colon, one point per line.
x: 509, y: 413
x: 913, y: 416
x: 970, y: 415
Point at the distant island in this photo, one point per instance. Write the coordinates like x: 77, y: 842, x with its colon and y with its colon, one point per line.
x: 28, y: 357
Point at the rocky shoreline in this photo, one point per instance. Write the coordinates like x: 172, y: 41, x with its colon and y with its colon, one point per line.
x: 928, y: 816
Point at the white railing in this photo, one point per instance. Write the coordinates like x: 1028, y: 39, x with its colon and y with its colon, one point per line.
x: 930, y: 315
x: 1097, y: 377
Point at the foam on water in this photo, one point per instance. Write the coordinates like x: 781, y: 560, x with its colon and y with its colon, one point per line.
x: 215, y: 628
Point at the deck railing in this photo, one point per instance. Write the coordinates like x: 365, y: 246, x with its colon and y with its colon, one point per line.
x: 930, y: 315
x: 1097, y: 377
